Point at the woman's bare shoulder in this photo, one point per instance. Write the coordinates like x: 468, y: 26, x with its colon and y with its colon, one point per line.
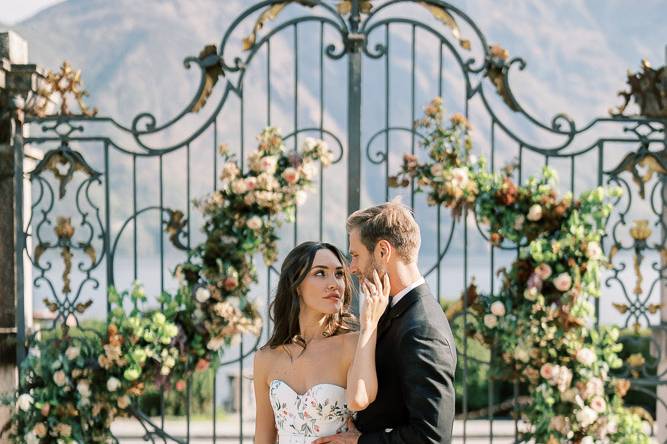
x: 350, y: 339
x: 264, y: 356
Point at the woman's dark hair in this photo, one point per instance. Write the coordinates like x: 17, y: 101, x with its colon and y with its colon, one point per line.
x: 286, y: 305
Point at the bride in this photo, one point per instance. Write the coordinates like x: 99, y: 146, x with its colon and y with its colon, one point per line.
x: 316, y: 370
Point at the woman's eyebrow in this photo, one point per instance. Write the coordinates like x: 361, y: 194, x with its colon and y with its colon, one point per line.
x: 339, y: 267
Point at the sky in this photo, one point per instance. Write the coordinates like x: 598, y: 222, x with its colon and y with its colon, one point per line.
x: 13, y: 11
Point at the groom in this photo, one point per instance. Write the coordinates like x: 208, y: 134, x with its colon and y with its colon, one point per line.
x: 415, y: 356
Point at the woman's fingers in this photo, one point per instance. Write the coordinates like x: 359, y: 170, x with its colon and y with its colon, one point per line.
x: 376, y: 281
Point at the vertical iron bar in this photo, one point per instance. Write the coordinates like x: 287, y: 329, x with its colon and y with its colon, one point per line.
x: 387, y: 96
x: 412, y: 108
x: 354, y: 113
x: 321, y: 177
x: 600, y: 168
x: 492, y: 283
x: 520, y: 172
x: 215, y: 405
x: 161, y: 197
x: 107, y: 222
x: 268, y: 82
x: 187, y: 409
x: 134, y: 220
x: 241, y: 392
x: 296, y: 117
x: 439, y: 208
x: 572, y: 174
x: 215, y: 163
x: 17, y: 132
x: 465, y: 308
x: 187, y: 188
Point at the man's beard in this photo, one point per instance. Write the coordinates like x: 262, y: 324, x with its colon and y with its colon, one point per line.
x: 373, y: 266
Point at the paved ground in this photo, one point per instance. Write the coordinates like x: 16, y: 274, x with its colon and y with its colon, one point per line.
x: 129, y: 431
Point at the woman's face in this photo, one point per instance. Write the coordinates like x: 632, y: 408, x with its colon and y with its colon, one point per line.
x: 323, y: 288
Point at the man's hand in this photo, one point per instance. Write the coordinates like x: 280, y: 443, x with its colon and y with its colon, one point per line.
x: 349, y: 437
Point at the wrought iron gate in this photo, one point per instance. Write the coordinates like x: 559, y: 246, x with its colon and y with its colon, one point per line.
x: 369, y: 67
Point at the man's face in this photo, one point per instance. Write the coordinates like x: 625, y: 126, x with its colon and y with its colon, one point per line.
x: 363, y: 262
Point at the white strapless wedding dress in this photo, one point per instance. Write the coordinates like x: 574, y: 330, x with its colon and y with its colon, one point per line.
x: 300, y: 419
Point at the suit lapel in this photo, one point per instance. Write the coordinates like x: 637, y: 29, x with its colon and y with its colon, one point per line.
x: 397, y: 310
x: 383, y: 323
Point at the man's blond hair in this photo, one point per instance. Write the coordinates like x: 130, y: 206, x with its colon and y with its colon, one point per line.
x: 391, y: 221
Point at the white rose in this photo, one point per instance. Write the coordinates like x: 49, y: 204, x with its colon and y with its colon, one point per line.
x: 587, y: 440
x: 269, y: 164
x: 239, y: 186
x: 309, y: 170
x: 498, y: 309
x: 229, y: 171
x: 24, y: 402
x: 586, y: 357
x: 30, y: 438
x: 593, y: 250
x: 83, y: 387
x: 202, y: 294
x: 215, y: 343
x: 310, y: 143
x: 586, y: 416
x: 490, y: 321
x: 72, y: 353
x: 535, y: 213
x: 59, y: 378
x: 436, y: 169
x: 113, y: 384
x: 460, y: 177
x: 301, y: 197
x: 563, y: 282
x: 521, y: 354
x: 254, y: 223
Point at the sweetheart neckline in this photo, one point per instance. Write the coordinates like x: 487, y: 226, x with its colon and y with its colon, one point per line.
x: 309, y: 388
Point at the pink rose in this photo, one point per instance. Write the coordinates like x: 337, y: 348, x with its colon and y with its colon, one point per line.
x: 230, y: 283
x: 598, y: 404
x: 543, y: 271
x: 269, y: 164
x: 254, y: 223
x: 291, y: 175
x: 547, y: 371
x: 251, y: 183
x: 563, y: 282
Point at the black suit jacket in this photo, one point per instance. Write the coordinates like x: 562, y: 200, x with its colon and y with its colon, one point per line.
x: 415, y: 362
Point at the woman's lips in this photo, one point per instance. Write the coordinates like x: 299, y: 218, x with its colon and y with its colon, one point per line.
x: 333, y: 297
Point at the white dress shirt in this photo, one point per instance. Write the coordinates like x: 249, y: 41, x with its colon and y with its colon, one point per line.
x: 397, y: 297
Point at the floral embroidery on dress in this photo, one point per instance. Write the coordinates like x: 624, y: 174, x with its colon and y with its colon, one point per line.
x: 320, y: 411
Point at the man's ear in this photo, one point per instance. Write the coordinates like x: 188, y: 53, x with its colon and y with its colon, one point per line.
x: 384, y: 250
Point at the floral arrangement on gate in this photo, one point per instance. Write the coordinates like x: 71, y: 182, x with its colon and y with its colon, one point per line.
x: 74, y: 383
x: 540, y: 321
